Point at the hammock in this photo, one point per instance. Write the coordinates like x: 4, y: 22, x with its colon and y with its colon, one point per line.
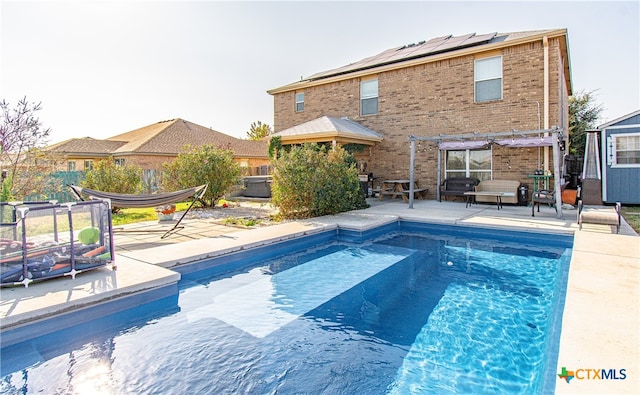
x: 145, y: 200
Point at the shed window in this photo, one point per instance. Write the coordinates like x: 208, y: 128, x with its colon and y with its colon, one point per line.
x: 369, y: 97
x: 488, y: 79
x: 299, y: 101
x: 626, y: 150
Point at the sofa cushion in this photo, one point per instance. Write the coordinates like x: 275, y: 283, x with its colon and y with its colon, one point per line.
x: 507, y: 186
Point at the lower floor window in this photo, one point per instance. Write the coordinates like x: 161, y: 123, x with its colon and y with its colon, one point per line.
x: 469, y: 163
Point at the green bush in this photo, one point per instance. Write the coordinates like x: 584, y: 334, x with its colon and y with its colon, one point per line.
x: 311, y: 181
x: 5, y: 191
x: 203, y: 165
x: 107, y: 176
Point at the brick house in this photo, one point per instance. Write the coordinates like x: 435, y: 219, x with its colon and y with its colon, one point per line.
x: 448, y: 86
x: 151, y: 146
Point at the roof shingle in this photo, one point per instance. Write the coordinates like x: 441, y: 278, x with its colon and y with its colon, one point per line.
x: 163, y: 138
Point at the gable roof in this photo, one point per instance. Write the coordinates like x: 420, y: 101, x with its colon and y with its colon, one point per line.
x: 429, y: 51
x: 167, y: 138
x: 619, y: 120
x: 329, y: 128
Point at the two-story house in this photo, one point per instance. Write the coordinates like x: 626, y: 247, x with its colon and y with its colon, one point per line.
x: 473, y: 85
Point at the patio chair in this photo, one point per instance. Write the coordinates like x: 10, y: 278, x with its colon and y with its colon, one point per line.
x: 543, y: 196
x: 145, y: 200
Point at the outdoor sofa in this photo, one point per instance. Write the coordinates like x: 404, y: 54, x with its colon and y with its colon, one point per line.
x: 509, y: 187
x: 457, y: 186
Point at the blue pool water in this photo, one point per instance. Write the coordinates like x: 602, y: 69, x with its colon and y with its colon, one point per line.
x: 418, y: 309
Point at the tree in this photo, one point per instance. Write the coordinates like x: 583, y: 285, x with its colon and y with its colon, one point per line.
x: 583, y: 115
x: 258, y: 131
x: 207, y: 164
x: 275, y: 147
x: 22, y: 135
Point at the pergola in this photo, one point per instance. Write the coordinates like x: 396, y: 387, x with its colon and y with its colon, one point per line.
x: 515, y: 138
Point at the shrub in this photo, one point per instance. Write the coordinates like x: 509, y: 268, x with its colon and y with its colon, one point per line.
x: 311, y: 181
x: 107, y: 176
x: 206, y: 164
x: 275, y: 147
x: 5, y: 192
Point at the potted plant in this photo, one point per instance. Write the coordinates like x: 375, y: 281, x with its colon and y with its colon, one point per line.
x: 165, y: 213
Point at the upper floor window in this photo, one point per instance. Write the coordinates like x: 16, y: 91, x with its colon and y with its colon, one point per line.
x: 71, y: 165
x: 488, y: 79
x: 299, y: 101
x: 625, y: 150
x: 119, y: 161
x: 369, y: 97
x: 88, y: 165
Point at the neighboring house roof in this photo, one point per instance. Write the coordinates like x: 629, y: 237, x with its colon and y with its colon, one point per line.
x: 327, y: 128
x: 162, y: 138
x: 428, y: 51
x: 85, y: 146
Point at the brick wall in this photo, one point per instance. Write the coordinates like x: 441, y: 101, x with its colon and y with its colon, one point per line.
x: 438, y: 98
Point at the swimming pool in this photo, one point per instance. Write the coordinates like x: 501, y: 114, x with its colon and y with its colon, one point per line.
x: 405, y: 308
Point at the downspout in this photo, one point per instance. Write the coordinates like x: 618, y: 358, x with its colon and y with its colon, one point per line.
x: 545, y: 106
x: 555, y: 136
x: 438, y: 178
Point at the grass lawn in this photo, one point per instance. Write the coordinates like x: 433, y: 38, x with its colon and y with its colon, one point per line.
x: 132, y: 215
x: 631, y: 214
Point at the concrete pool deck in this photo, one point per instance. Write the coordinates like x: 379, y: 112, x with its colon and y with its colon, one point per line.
x: 601, y: 321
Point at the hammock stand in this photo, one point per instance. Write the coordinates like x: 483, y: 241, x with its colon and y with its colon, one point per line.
x: 145, y: 200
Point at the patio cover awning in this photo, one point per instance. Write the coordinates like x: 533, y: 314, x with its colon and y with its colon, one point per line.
x: 463, y: 145
x: 523, y: 142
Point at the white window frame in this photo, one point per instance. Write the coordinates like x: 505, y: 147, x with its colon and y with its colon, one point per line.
x: 467, y: 171
x: 613, y: 150
x: 368, y: 96
x: 71, y: 165
x: 487, y: 76
x: 119, y: 161
x: 299, y: 101
x: 88, y: 164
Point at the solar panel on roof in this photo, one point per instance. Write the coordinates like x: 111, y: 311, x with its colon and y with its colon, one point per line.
x: 410, y: 51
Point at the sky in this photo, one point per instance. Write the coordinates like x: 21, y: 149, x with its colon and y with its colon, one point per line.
x: 101, y: 68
